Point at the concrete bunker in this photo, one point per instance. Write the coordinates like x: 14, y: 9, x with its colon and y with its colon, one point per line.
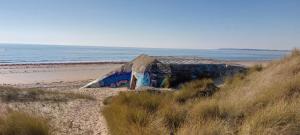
x: 164, y: 71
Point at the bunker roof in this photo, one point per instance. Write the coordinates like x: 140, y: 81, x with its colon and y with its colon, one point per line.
x: 143, y: 60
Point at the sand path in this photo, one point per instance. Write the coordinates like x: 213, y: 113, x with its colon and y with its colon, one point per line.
x: 75, y: 117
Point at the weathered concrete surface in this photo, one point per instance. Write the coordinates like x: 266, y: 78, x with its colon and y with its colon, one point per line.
x: 154, y: 70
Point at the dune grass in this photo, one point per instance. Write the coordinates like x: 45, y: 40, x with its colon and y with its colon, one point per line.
x: 132, y: 113
x: 17, y: 123
x: 152, y: 112
x: 261, y: 101
x: 11, y: 94
x: 195, y: 89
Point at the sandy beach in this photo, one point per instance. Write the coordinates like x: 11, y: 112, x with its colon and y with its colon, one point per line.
x: 25, y: 74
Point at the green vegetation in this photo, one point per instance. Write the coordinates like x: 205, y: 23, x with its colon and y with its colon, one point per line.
x: 263, y: 101
x: 16, y: 123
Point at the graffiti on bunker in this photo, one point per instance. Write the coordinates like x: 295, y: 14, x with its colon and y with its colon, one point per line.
x: 118, y: 79
x: 143, y: 79
x: 164, y: 71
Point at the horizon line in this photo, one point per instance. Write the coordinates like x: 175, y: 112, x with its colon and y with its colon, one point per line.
x: 82, y: 45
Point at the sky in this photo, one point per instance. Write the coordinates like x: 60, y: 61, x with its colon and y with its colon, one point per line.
x: 199, y: 24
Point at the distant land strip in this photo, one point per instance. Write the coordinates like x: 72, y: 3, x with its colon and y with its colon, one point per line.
x: 62, y: 63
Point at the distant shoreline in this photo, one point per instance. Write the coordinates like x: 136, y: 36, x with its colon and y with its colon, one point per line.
x: 134, y: 47
x: 247, y: 49
x: 62, y: 63
x: 112, y: 62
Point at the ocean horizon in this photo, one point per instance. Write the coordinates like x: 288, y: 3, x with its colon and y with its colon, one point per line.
x: 33, y: 54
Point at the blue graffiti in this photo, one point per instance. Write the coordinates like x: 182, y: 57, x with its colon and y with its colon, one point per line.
x: 142, y: 79
x: 118, y: 79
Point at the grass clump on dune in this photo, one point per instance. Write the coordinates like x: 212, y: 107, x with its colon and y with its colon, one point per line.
x: 261, y: 101
x: 10, y: 94
x: 17, y: 123
x: 195, y: 89
x: 174, y: 116
x: 150, y: 112
x: 133, y: 113
x: 280, y: 118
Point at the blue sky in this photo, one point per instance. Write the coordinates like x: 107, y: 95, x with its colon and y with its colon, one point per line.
x: 203, y: 24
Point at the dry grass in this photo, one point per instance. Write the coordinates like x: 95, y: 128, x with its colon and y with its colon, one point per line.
x: 212, y: 127
x: 281, y: 118
x: 195, y: 89
x: 261, y: 101
x: 16, y: 123
x: 174, y: 116
x: 149, y: 112
x: 10, y: 94
x: 133, y: 113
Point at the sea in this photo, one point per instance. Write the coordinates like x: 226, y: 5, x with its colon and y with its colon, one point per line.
x: 27, y: 54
